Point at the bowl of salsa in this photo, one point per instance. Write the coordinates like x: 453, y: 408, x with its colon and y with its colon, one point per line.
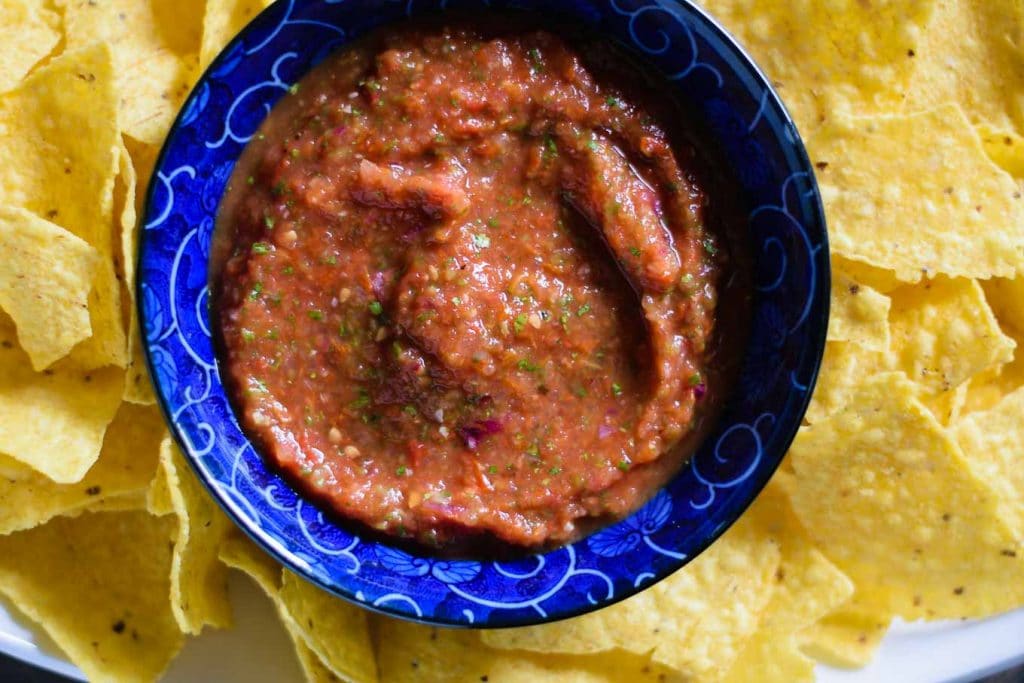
x: 480, y: 315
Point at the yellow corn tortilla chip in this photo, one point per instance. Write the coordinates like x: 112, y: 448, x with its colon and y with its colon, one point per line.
x: 35, y: 32
x: 1006, y: 297
x: 412, y: 652
x: 944, y: 333
x: 97, y: 584
x: 946, y: 406
x: 239, y: 553
x: 992, y: 442
x: 879, y: 279
x: 694, y: 622
x: 129, y: 502
x: 888, y: 496
x: 155, y: 54
x: 843, y: 368
x: 158, y: 495
x: 199, y: 591
x: 137, y: 388
x: 335, y: 630
x: 1005, y: 148
x: 124, y: 469
x: 847, y: 638
x: 53, y: 421
x: 970, y: 54
x: 807, y: 587
x: 823, y: 56
x: 58, y: 137
x: 934, y: 203
x: 858, y: 313
x: 986, y: 389
x: 45, y: 278
x: 222, y: 22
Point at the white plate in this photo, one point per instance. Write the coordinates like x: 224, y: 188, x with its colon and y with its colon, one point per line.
x: 257, y: 649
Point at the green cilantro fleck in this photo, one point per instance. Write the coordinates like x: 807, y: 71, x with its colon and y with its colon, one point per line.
x: 635, y: 251
x: 526, y: 366
x: 288, y: 270
x: 709, y: 247
x: 493, y: 469
x: 580, y: 392
x: 696, y: 379
x: 362, y: 401
x: 248, y: 335
x: 583, y: 310
x: 555, y: 470
x: 623, y: 465
x: 257, y: 289
x: 376, y: 308
x: 533, y: 451
x: 519, y: 323
x: 492, y: 222
x: 316, y: 315
x: 592, y: 145
x: 260, y: 248
x: 250, y: 181
x: 616, y: 389
x: 400, y: 470
x: 611, y: 101
x: 410, y: 410
x: 293, y: 89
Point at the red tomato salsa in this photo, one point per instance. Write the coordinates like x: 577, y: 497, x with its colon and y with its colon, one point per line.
x: 466, y: 287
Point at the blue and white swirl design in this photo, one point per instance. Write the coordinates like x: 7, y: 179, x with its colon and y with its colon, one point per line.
x: 787, y: 229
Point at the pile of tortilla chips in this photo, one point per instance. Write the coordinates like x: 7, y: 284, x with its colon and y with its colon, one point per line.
x: 903, y: 495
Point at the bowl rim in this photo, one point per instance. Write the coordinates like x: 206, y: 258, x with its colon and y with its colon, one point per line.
x: 278, y: 549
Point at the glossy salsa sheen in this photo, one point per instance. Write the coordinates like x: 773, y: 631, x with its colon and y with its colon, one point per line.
x: 467, y: 286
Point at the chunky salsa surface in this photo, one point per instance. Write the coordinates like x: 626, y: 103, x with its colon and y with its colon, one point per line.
x: 466, y: 286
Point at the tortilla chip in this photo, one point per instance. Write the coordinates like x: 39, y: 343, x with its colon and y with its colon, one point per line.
x: 129, y: 502
x: 124, y: 468
x: 238, y: 552
x: 879, y: 279
x: 335, y: 630
x: 34, y: 33
x: 887, y: 495
x: 1005, y: 148
x: 313, y: 668
x: 947, y: 406
x: 325, y: 626
x: 970, y: 54
x: 45, y: 278
x: 934, y: 203
x: 843, y: 368
x: 137, y: 388
x: 843, y: 54
x: 807, y: 587
x: 944, y: 333
x: 694, y: 622
x: 158, y: 495
x: 155, y: 54
x: 223, y: 21
x: 58, y: 133
x: 847, y: 638
x: 199, y: 590
x: 97, y: 584
x: 858, y: 313
x: 53, y: 421
x: 409, y: 653
x: 992, y: 440
x: 1006, y: 297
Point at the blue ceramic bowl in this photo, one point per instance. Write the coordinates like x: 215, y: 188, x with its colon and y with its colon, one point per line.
x: 786, y: 227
